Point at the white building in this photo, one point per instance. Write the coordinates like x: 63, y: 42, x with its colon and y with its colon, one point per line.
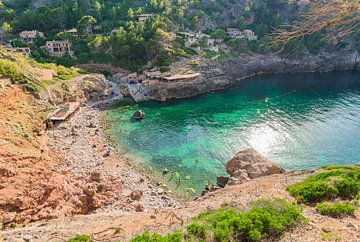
x: 235, y: 33
x: 72, y: 32
x: 249, y: 34
x: 30, y: 36
x: 143, y: 18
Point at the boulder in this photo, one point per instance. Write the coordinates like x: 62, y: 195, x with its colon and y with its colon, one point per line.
x: 139, y: 207
x: 222, y: 181
x: 95, y: 176
x: 250, y: 164
x: 136, y: 195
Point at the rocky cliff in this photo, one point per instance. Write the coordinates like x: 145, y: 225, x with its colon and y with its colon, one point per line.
x: 221, y: 75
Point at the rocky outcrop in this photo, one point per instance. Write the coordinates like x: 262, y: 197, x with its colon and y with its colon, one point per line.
x: 221, y: 75
x: 249, y: 164
x: 82, y: 88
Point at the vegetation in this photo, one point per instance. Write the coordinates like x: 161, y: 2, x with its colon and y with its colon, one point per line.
x: 340, y: 19
x: 109, y: 31
x: 21, y: 70
x: 335, y: 210
x: 80, y: 238
x: 267, y: 219
x: 337, y: 182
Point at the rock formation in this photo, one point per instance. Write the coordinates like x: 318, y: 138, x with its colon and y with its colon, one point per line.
x: 249, y: 164
x: 221, y: 75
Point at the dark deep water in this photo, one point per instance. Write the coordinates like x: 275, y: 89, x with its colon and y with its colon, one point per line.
x: 299, y: 121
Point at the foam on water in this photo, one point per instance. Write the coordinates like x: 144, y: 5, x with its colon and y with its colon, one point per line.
x: 299, y: 121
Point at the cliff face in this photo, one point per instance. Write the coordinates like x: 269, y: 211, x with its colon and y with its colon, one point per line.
x: 221, y: 75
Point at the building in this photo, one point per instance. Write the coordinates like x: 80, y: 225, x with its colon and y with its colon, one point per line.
x: 23, y: 50
x: 235, y: 33
x: 249, y: 34
x: 190, y: 38
x: 212, y: 45
x: 30, y: 36
x: 72, y: 32
x: 143, y: 18
x: 59, y: 48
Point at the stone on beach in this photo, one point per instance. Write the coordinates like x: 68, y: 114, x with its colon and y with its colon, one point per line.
x: 136, y: 195
x: 249, y: 164
x: 253, y: 163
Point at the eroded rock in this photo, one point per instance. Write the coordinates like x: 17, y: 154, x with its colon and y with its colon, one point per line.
x: 254, y: 164
x: 249, y: 164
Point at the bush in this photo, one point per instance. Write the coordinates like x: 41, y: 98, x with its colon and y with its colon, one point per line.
x: 81, y: 238
x: 357, y: 200
x: 9, y: 69
x: 338, y: 181
x: 335, y: 210
x: 147, y: 237
x: 196, y: 230
x: 266, y: 220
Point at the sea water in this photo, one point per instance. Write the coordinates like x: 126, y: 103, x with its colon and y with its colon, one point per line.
x: 299, y: 121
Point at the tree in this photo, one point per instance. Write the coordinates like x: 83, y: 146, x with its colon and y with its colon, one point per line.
x: 84, y: 25
x: 339, y: 19
x: 6, y: 27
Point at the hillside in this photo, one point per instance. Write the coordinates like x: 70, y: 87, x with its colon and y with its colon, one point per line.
x: 116, y: 225
x: 110, y: 31
x: 37, y: 183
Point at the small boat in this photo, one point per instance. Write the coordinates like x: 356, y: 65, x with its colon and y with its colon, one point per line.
x: 138, y: 115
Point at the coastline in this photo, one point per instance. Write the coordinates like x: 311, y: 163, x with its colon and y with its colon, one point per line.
x: 138, y: 164
x: 222, y: 75
x: 82, y: 143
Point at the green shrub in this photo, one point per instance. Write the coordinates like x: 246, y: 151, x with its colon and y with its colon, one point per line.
x: 165, y: 68
x: 338, y: 181
x: 81, y: 238
x: 147, y: 237
x: 9, y: 69
x: 335, y: 210
x: 196, y: 230
x: 357, y: 199
x: 266, y: 220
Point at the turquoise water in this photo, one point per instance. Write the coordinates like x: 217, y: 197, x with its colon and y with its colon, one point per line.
x: 299, y: 121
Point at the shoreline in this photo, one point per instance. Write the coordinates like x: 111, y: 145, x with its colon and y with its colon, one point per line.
x: 82, y: 143
x: 137, y: 163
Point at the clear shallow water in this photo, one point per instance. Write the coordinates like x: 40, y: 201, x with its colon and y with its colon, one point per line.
x: 299, y: 121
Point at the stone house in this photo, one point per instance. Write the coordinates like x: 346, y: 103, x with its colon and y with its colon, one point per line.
x: 212, y: 44
x: 72, y: 32
x: 235, y: 33
x: 23, y: 50
x: 59, y: 48
x: 249, y: 34
x: 30, y: 36
x: 143, y: 18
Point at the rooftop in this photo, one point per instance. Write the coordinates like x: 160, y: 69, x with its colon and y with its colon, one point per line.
x: 179, y: 76
x: 65, y: 111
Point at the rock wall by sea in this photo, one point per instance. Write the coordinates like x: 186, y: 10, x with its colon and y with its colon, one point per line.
x: 221, y: 75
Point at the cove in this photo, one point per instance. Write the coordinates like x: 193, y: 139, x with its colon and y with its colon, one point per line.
x: 299, y: 121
